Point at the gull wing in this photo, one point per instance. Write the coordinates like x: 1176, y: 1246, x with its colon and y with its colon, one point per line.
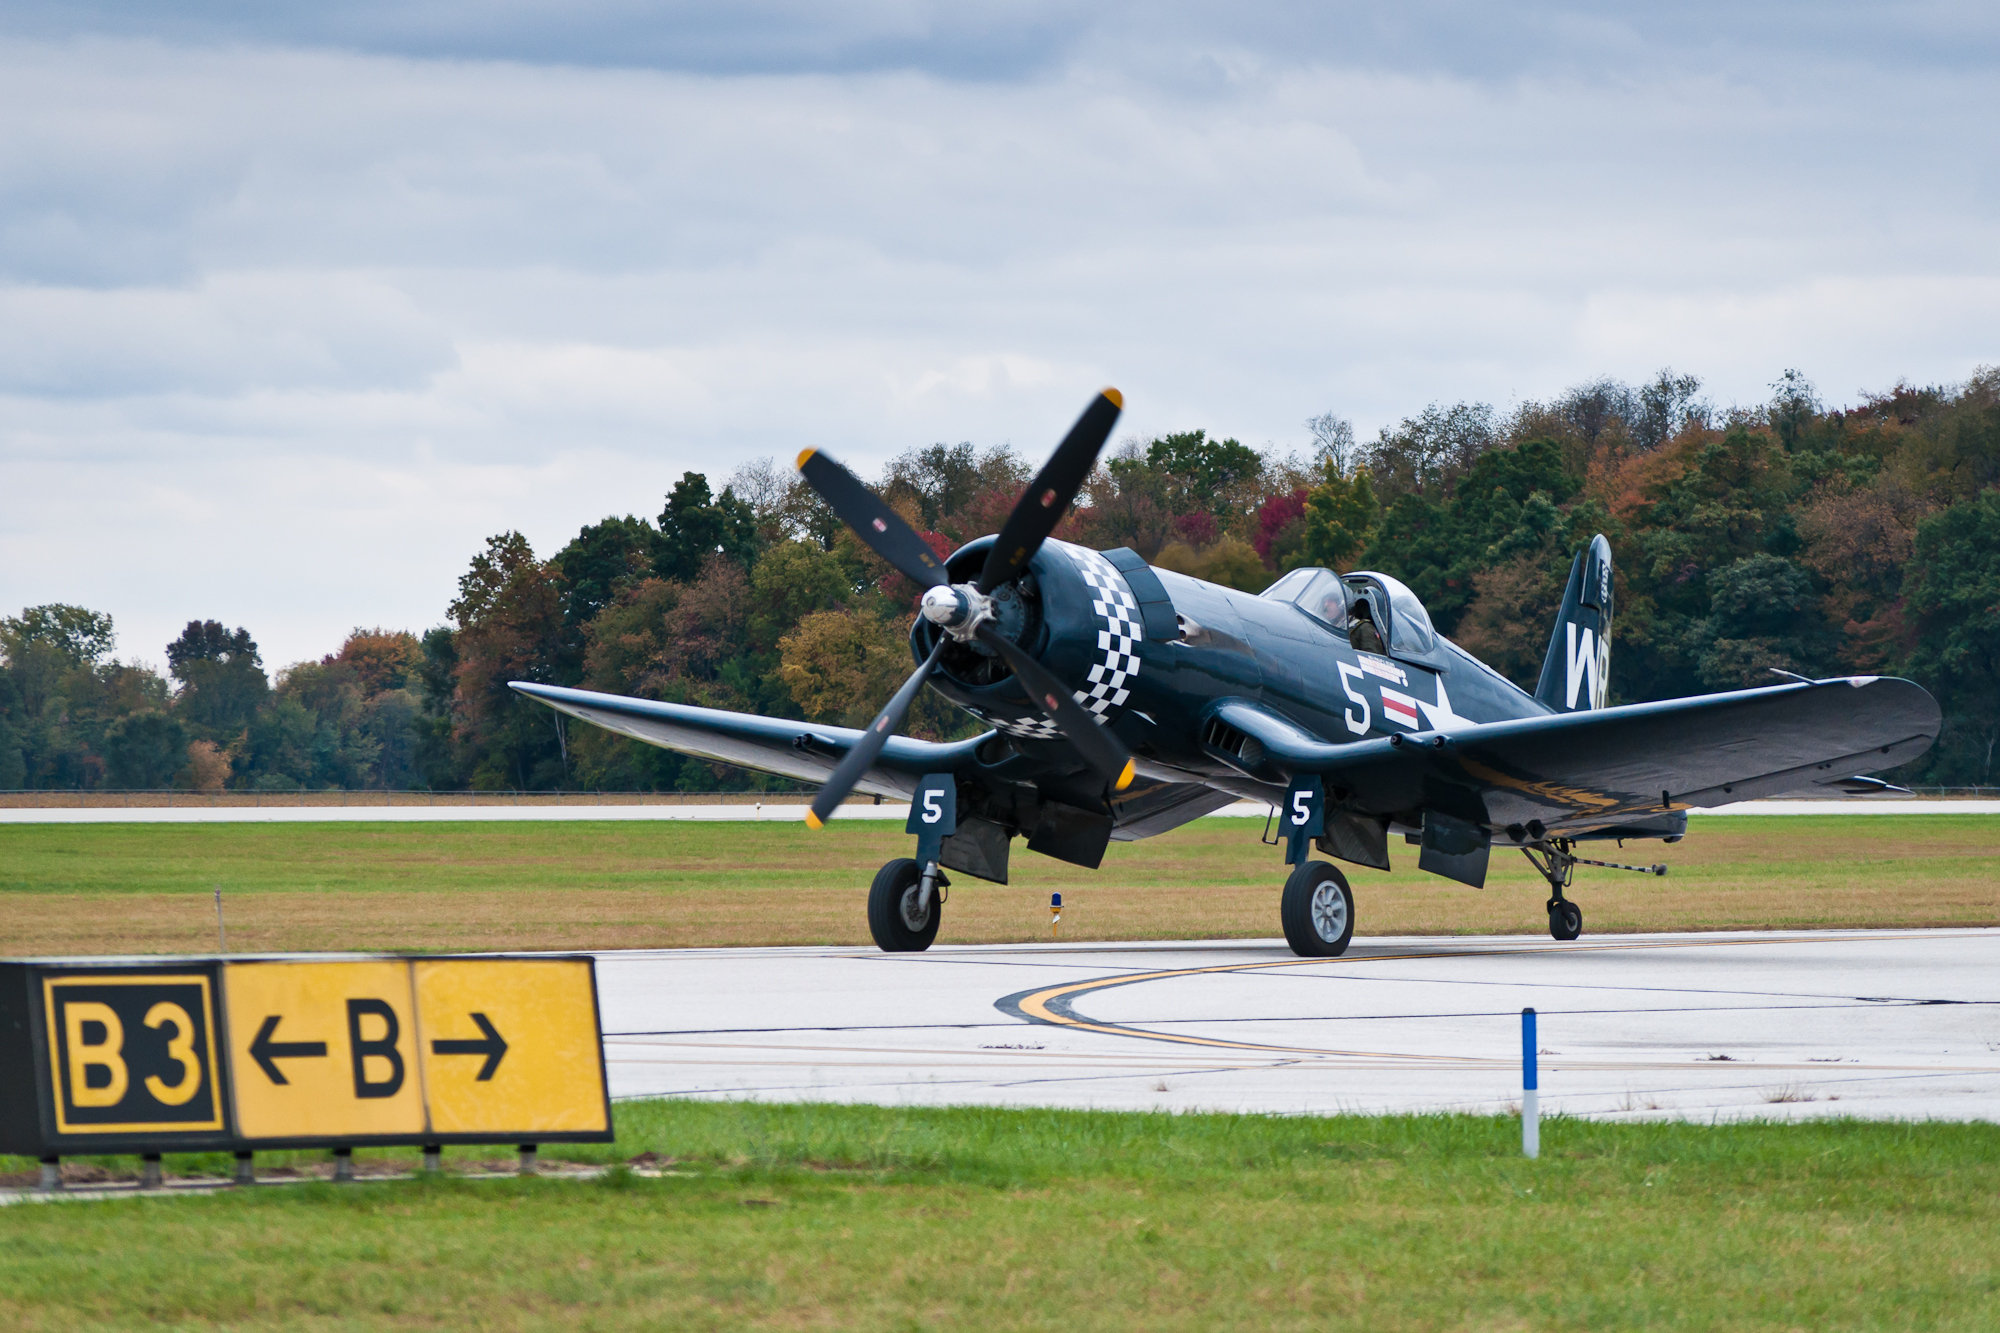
x: 803, y: 750
x: 1578, y: 771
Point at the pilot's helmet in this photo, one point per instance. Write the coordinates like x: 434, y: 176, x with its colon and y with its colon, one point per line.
x: 1362, y: 611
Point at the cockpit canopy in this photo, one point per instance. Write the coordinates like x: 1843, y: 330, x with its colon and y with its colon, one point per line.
x: 1331, y: 599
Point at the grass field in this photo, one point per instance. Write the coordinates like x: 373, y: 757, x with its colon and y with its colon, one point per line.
x: 811, y: 1216
x: 147, y: 888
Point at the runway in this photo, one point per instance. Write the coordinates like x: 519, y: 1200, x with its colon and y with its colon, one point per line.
x: 1779, y: 1025
x: 380, y: 808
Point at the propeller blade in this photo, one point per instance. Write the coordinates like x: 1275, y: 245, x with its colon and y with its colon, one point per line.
x: 1048, y: 496
x: 1103, y: 750
x: 873, y: 522
x: 869, y: 745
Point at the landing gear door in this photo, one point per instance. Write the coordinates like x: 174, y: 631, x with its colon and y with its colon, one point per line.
x: 1304, y: 816
x: 933, y: 815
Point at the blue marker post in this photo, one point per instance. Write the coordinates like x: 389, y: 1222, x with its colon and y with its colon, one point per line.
x: 1531, y: 1097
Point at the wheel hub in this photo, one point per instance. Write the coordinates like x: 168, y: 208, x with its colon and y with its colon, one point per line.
x: 1329, y: 911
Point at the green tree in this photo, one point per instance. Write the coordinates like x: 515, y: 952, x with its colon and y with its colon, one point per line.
x: 792, y: 580
x: 1763, y: 613
x: 695, y: 525
x: 510, y: 627
x: 1954, y: 602
x: 438, y: 758
x: 222, y: 678
x: 1191, y: 472
x: 45, y: 644
x: 601, y: 559
x: 143, y: 751
x: 79, y: 635
x: 1340, y: 517
x: 1430, y: 451
x: 13, y: 762
x: 278, y: 752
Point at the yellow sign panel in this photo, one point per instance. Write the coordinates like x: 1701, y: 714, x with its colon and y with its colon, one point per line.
x: 408, y: 1048
x: 323, y: 1049
x: 511, y: 1046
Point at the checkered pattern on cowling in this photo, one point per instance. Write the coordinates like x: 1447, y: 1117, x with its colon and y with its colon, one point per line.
x: 1117, y: 641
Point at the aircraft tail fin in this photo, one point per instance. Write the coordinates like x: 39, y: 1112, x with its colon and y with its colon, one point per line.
x: 1576, y: 674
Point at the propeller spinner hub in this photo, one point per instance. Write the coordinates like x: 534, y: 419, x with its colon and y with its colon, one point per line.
x: 957, y: 610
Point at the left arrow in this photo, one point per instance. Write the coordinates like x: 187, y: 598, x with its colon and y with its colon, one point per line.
x: 267, y: 1053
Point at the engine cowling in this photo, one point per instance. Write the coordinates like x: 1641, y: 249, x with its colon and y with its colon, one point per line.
x: 1072, y: 609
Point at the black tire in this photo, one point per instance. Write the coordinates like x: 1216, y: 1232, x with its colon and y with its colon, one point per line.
x: 1565, y: 920
x: 1317, y: 900
x: 895, y: 889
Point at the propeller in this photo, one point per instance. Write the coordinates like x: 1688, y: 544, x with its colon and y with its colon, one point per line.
x: 1048, y: 496
x: 1104, y: 751
x: 963, y: 611
x: 873, y: 522
x: 849, y: 770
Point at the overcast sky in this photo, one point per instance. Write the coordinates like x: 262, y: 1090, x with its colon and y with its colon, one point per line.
x: 298, y: 303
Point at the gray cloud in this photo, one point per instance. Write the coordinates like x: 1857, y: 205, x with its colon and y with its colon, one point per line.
x: 294, y: 310
x: 1016, y: 39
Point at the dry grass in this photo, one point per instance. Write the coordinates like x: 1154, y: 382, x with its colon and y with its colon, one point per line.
x: 146, y: 888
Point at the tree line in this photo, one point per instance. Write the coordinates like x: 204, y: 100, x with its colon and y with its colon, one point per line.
x: 1788, y: 535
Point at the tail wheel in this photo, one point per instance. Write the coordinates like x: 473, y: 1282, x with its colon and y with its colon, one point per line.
x: 897, y: 917
x: 1565, y: 919
x: 1317, y: 911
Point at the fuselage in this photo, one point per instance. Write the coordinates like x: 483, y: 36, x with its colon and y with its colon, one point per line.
x: 1152, y: 652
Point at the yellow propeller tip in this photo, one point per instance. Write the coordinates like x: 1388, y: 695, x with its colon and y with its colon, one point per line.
x: 813, y: 820
x: 804, y: 454
x: 1117, y: 398
x: 1125, y: 778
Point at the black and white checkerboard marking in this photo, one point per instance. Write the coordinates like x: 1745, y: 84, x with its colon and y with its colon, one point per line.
x: 1118, y: 641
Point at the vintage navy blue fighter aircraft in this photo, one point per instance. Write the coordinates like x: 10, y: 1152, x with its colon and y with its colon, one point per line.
x: 1125, y: 701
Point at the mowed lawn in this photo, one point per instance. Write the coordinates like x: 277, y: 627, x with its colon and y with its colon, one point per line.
x: 148, y: 888
x: 815, y: 1216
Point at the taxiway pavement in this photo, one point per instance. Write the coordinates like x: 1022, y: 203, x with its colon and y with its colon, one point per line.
x: 1878, y: 1024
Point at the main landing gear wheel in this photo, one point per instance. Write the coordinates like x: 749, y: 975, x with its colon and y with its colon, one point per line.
x: 1565, y: 919
x: 1317, y: 911
x: 899, y: 917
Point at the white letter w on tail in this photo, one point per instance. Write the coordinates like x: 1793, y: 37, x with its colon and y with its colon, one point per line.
x: 1587, y: 668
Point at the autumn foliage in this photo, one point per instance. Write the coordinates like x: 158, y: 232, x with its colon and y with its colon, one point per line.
x: 1785, y: 535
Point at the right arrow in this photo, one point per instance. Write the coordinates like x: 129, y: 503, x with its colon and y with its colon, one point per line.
x: 267, y: 1053
x: 492, y: 1046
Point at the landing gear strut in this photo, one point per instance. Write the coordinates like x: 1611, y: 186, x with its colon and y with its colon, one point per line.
x: 905, y: 904
x: 1556, y: 864
x: 1554, y: 859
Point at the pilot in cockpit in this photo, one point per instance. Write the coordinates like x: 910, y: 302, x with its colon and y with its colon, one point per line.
x: 1362, y: 632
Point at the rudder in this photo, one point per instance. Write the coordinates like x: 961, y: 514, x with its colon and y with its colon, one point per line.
x: 1576, y: 674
